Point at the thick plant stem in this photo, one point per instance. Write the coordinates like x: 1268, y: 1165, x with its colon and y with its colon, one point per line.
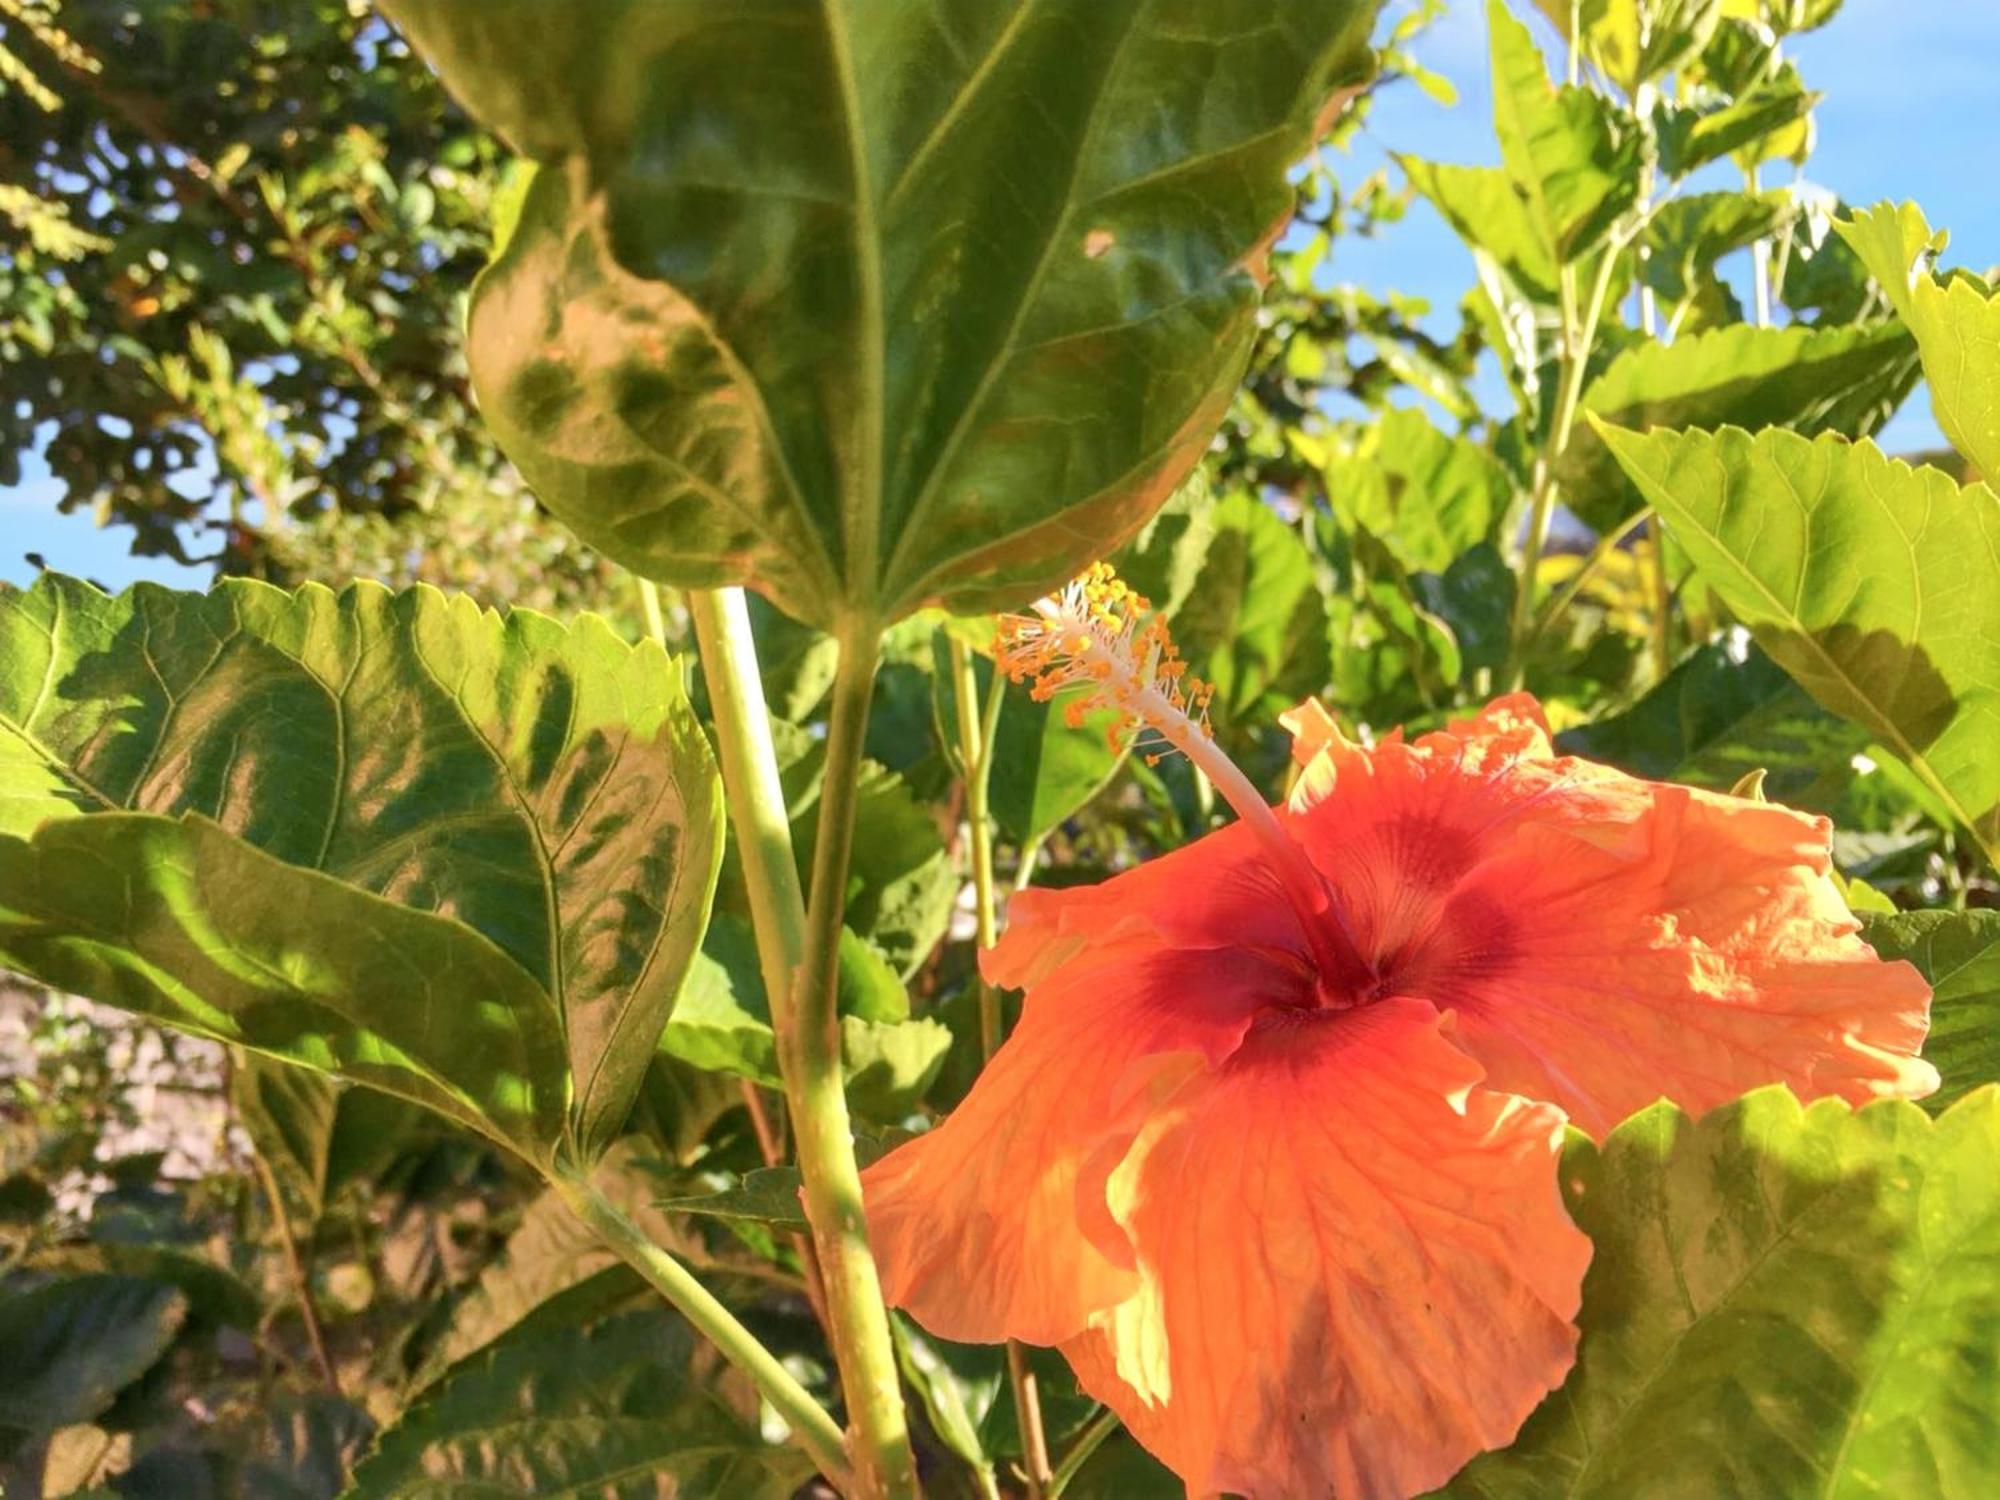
x: 809, y: 1056
x: 976, y: 735
x: 812, y: 1428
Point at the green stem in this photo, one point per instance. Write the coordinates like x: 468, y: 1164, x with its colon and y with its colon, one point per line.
x: 1606, y: 545
x: 813, y: 1429
x: 976, y: 737
x: 1087, y: 1442
x: 1579, y: 332
x: 649, y: 601
x: 809, y: 1056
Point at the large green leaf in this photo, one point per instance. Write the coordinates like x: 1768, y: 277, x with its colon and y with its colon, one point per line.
x: 1872, y: 583
x: 73, y: 1345
x: 175, y: 919
x: 1485, y: 210
x: 1575, y: 162
x: 876, y: 306
x: 1956, y: 321
x: 630, y: 1409
x: 1811, y: 380
x: 1781, y: 1302
x: 1725, y: 712
x: 1686, y: 237
x: 541, y: 788
x: 1959, y: 953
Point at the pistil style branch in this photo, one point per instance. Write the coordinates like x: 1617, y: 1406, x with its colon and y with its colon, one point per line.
x: 1102, y: 642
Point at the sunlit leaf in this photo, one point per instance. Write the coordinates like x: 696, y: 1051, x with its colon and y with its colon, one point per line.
x: 626, y: 1410
x: 1956, y: 320
x: 874, y: 309
x: 1574, y: 161
x: 1780, y: 1302
x: 1959, y: 953
x: 544, y: 791
x: 1427, y: 495
x: 1485, y: 210
x: 1867, y: 580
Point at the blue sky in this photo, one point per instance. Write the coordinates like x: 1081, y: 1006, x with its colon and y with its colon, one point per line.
x: 1907, y: 114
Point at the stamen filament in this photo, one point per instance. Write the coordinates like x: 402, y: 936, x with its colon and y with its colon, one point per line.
x: 1100, y: 637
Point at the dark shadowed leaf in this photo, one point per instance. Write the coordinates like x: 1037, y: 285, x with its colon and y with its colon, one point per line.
x: 1781, y: 1302
x: 1845, y: 380
x: 73, y: 1345
x: 289, y: 1114
x: 1867, y: 580
x: 1959, y: 953
x: 883, y: 307
x: 1727, y: 710
x: 620, y: 1411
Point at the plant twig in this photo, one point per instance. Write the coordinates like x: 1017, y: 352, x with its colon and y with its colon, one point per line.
x: 976, y: 737
x: 297, y: 1270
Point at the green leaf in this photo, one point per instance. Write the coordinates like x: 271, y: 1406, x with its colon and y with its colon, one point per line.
x: 724, y: 1023
x: 289, y: 1113
x: 1811, y: 380
x: 1254, y: 626
x: 1575, y: 161
x: 900, y: 879
x: 545, y: 790
x: 215, y: 1296
x: 174, y: 919
x: 770, y: 1195
x: 1781, y: 1301
x: 1867, y: 580
x: 927, y: 308
x: 1687, y: 236
x: 1474, y: 600
x: 73, y: 1345
x: 1760, y: 121
x: 1044, y: 768
x: 1428, y: 496
x: 555, y: 1272
x: 1636, y: 41
x: 1727, y: 710
x: 1956, y: 321
x: 627, y: 1410
x: 1122, y: 1470
x: 1959, y: 953
x: 1485, y: 210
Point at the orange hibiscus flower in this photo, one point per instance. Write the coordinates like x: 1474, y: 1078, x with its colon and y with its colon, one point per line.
x: 1271, y: 1154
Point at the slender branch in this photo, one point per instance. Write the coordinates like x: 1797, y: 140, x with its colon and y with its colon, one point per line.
x: 296, y: 1269
x: 976, y: 736
x: 809, y: 1055
x: 1599, y: 555
x: 1087, y: 1442
x: 812, y: 1428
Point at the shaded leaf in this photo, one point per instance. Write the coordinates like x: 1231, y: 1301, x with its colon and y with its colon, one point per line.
x: 73, y: 1345
x: 1959, y: 953
x: 770, y: 1195
x: 1956, y: 321
x: 1867, y: 580
x: 289, y: 1113
x: 1759, y: 121
x: 1474, y: 599
x: 1724, y: 712
x: 1811, y: 380
x: 1782, y: 1301
x: 618, y: 1411
x: 900, y: 880
x: 214, y: 1295
x: 936, y: 308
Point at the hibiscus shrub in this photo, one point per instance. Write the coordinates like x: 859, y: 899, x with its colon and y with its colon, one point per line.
x: 1182, y: 896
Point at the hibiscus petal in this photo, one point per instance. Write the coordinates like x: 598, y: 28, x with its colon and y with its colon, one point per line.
x: 976, y: 1224
x: 1601, y: 940
x: 1215, y: 892
x: 1356, y: 1268
x: 1719, y: 959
